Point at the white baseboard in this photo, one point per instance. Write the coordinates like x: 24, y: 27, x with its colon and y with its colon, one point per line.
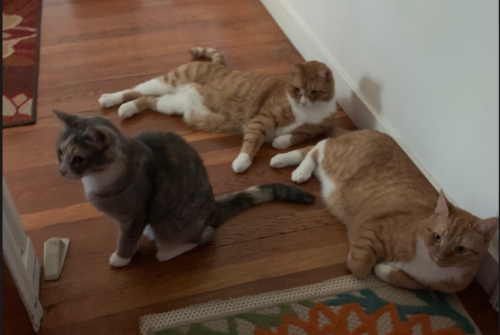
x: 355, y: 104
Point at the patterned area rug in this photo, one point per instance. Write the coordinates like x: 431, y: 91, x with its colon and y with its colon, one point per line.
x: 21, y: 22
x: 342, y: 306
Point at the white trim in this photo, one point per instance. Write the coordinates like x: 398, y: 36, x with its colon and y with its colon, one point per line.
x: 355, y: 104
x: 21, y: 259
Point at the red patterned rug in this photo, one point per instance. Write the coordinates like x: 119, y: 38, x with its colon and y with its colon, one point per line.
x: 21, y: 26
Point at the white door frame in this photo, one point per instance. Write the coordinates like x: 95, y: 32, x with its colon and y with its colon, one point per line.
x: 21, y: 259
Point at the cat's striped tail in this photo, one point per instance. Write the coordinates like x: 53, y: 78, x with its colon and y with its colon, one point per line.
x: 210, y: 53
x: 228, y: 205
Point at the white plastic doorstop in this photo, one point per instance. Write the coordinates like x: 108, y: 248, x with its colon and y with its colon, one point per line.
x: 54, y: 255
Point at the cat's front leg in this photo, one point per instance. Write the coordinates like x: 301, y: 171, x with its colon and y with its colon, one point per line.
x: 255, y: 135
x: 294, y: 138
x: 128, y: 242
x: 155, y: 87
x: 242, y: 162
x: 304, y: 172
x: 360, y: 261
x: 282, y: 142
x: 303, y: 133
x: 294, y: 157
x: 397, y: 277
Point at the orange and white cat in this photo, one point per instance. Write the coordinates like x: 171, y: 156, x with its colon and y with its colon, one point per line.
x: 397, y: 223
x: 214, y: 98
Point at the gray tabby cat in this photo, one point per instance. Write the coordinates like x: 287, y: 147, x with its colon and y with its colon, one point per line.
x: 153, y: 184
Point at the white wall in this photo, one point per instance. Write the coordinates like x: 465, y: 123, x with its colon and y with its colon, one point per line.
x: 424, y: 71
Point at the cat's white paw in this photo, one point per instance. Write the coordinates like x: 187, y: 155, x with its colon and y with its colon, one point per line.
x: 127, y: 110
x: 241, y: 163
x: 282, y: 142
x: 279, y: 161
x: 288, y: 159
x: 110, y: 100
x: 118, y: 262
x: 301, y: 175
x: 383, y: 270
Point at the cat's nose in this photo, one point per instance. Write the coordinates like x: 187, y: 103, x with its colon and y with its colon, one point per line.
x: 62, y: 171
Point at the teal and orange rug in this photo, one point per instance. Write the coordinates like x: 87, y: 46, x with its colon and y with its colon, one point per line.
x: 342, y: 306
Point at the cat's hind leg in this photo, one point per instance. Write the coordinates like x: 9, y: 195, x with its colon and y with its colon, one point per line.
x: 169, y: 250
x: 156, y: 87
x: 169, y: 104
x: 294, y: 157
x: 170, y: 83
x: 396, y: 277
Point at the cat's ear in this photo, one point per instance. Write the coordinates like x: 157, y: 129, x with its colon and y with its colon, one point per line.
x: 296, y: 68
x: 487, y: 228
x: 69, y: 120
x: 442, y: 205
x: 99, y: 136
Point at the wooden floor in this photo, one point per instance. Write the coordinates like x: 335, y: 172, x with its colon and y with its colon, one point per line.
x: 89, y: 47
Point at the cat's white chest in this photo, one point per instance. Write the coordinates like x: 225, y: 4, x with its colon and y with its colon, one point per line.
x: 313, y: 115
x: 90, y: 184
x: 327, y: 184
x: 95, y: 182
x: 425, y: 270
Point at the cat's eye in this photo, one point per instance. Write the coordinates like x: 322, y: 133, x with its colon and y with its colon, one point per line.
x: 314, y: 92
x: 77, y: 160
x: 437, y: 237
x: 59, y: 152
x: 460, y: 249
x: 296, y: 90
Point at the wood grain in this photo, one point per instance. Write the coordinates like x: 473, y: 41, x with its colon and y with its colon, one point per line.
x: 89, y: 47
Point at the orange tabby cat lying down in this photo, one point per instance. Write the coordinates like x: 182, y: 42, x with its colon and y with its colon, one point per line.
x: 396, y: 221
x: 215, y: 98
